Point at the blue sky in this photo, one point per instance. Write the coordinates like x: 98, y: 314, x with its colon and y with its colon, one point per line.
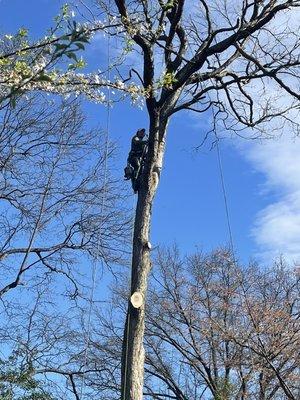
x: 189, y: 206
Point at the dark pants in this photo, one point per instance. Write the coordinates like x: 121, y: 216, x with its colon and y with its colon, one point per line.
x: 135, y: 161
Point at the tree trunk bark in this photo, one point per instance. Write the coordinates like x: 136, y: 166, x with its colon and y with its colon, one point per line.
x: 133, y: 354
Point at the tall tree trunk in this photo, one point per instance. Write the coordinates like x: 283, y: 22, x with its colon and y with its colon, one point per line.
x: 133, y: 354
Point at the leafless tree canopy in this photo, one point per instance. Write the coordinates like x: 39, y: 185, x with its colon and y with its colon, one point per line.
x: 58, y: 200
x: 215, y: 330
x: 238, y: 59
x: 221, y: 331
x: 236, y: 62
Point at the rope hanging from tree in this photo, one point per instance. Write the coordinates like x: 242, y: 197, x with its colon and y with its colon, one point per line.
x: 95, y: 263
x: 225, y: 198
x: 135, y: 299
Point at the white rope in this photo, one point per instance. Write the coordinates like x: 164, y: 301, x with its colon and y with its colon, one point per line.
x: 225, y: 199
x: 96, y: 259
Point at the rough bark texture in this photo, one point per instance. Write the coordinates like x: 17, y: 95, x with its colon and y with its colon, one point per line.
x: 133, y: 349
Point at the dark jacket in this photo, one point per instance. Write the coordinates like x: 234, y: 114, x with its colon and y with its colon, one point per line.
x: 138, y: 145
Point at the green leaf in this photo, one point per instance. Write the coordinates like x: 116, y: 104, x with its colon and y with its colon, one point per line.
x: 13, y: 101
x: 45, y: 78
x: 72, y: 55
x: 80, y: 45
x: 23, y: 32
x: 84, y: 39
x: 65, y: 37
x: 59, y: 46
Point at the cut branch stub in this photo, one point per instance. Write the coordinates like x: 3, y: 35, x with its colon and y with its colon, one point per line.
x: 137, y: 299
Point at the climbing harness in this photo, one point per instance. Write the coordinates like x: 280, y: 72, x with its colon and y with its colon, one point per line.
x: 136, y: 176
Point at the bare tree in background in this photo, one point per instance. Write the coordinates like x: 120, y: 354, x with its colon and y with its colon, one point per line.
x: 237, y: 60
x: 214, y: 330
x: 221, y: 331
x: 58, y: 199
x: 43, y: 345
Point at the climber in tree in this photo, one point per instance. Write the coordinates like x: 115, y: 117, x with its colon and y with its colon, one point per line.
x: 135, y: 158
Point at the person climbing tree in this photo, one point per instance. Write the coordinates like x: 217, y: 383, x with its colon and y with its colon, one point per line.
x: 136, y: 158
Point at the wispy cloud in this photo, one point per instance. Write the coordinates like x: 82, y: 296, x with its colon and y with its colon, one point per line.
x: 277, y: 227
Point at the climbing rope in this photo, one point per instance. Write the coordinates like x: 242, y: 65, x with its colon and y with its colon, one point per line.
x: 95, y: 263
x: 241, y: 281
x: 225, y: 198
x: 123, y: 394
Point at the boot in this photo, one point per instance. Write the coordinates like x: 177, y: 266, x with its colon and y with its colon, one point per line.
x: 128, y: 172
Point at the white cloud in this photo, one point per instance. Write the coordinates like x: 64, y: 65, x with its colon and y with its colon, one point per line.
x: 277, y: 227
